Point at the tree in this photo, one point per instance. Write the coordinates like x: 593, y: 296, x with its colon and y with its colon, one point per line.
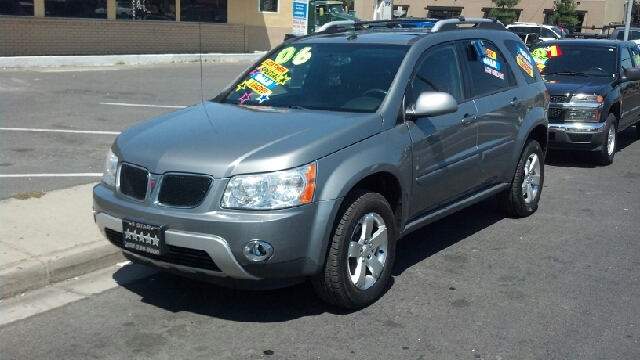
x: 504, y: 11
x: 565, y: 13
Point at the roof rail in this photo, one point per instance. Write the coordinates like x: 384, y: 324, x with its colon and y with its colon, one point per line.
x: 439, y: 25
x: 451, y: 24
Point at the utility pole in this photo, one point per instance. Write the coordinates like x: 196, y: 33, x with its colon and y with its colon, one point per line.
x: 628, y: 21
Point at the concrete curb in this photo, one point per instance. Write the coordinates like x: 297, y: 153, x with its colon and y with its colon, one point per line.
x: 48, y: 269
x: 110, y: 60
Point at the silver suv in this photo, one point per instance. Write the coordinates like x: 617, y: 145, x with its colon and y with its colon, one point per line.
x: 328, y: 150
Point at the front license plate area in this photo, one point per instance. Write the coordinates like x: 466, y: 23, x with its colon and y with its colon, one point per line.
x: 141, y: 237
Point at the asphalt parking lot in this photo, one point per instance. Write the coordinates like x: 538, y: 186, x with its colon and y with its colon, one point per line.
x: 561, y: 284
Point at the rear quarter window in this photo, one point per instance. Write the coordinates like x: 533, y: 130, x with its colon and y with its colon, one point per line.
x: 523, y: 58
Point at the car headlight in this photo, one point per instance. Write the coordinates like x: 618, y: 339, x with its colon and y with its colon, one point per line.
x: 275, y: 190
x: 110, y: 169
x: 586, y: 98
x: 586, y: 115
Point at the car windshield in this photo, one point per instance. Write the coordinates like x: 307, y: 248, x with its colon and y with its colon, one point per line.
x: 575, y: 59
x: 324, y: 76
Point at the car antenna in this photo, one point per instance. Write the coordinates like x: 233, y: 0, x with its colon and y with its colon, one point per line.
x: 201, y: 81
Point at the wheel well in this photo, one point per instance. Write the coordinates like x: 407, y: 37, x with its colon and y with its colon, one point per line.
x: 387, y: 185
x: 539, y: 134
x: 615, y: 110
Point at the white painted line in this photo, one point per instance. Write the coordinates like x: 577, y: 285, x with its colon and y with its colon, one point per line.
x: 145, y: 105
x: 64, y: 131
x: 51, y: 175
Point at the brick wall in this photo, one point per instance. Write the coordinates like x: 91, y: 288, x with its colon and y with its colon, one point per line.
x: 21, y: 36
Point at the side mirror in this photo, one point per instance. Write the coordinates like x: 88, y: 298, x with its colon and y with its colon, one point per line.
x: 632, y: 74
x: 433, y: 104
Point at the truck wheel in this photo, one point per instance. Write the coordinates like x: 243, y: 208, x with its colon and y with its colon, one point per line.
x: 361, y: 253
x: 605, y: 155
x: 638, y: 130
x: 522, y: 197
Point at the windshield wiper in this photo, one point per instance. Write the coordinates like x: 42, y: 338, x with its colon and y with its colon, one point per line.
x: 297, y: 107
x: 567, y: 73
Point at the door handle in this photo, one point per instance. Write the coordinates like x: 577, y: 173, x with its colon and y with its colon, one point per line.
x: 516, y: 102
x: 468, y: 119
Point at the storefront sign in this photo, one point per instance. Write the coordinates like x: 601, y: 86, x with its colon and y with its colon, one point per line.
x: 300, y: 17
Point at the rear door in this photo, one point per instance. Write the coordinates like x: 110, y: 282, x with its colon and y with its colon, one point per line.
x: 499, y: 103
x: 445, y: 155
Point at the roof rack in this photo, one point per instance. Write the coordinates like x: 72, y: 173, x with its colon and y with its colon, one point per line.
x: 438, y: 25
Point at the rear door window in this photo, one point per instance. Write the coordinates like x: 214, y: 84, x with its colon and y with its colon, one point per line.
x: 487, y: 66
x: 525, y: 62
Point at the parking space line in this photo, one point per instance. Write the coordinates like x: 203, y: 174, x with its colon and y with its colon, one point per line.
x: 51, y: 175
x: 145, y: 105
x: 63, y: 131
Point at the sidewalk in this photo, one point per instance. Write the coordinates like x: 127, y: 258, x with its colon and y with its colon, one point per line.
x: 105, y: 60
x: 49, y: 239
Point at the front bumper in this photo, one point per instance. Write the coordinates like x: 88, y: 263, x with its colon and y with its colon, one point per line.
x: 579, y: 136
x: 209, y: 240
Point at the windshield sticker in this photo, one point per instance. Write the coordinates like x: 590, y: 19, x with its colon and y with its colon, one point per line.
x: 275, y: 71
x: 285, y: 55
x: 245, y: 97
x: 494, y: 72
x: 299, y: 58
x: 263, y: 97
x: 490, y: 62
x: 542, y: 55
x: 524, y: 61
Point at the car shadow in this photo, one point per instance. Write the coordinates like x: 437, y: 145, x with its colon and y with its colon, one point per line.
x: 176, y: 293
x: 435, y: 237
x: 583, y: 159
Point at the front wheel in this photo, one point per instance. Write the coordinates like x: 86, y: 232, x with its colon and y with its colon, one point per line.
x: 522, y: 198
x: 605, y: 155
x: 361, y: 253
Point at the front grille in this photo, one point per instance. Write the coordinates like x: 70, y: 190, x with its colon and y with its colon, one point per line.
x: 183, y: 190
x: 133, y: 181
x: 555, y: 113
x: 559, y: 98
x: 174, y: 254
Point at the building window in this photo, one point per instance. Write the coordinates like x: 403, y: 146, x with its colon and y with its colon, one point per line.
x: 517, y: 12
x: 203, y: 10
x: 270, y: 6
x: 76, y: 8
x: 443, y: 12
x: 548, y: 18
x: 16, y: 8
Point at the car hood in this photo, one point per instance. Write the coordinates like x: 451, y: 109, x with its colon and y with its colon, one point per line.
x: 562, y: 84
x: 223, y: 140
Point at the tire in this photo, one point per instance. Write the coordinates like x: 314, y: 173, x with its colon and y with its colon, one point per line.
x: 522, y: 197
x: 359, y: 259
x: 608, y: 151
x: 638, y: 130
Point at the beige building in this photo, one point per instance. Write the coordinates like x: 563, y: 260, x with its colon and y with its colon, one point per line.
x: 96, y: 27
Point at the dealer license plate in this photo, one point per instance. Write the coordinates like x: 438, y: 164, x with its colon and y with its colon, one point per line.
x: 143, y: 237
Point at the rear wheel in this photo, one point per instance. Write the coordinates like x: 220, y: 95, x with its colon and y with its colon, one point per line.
x: 522, y: 198
x: 361, y: 253
x: 608, y: 151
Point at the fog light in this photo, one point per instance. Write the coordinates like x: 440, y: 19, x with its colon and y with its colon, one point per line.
x: 257, y: 250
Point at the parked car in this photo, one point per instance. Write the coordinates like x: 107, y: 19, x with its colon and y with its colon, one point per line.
x: 618, y: 34
x: 544, y: 32
x: 324, y: 153
x: 595, y: 93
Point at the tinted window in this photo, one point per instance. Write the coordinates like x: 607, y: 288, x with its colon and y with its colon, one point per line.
x: 577, y: 58
x: 546, y: 33
x: 625, y: 59
x: 439, y: 70
x: 524, y: 60
x: 489, y: 70
x: 327, y: 76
